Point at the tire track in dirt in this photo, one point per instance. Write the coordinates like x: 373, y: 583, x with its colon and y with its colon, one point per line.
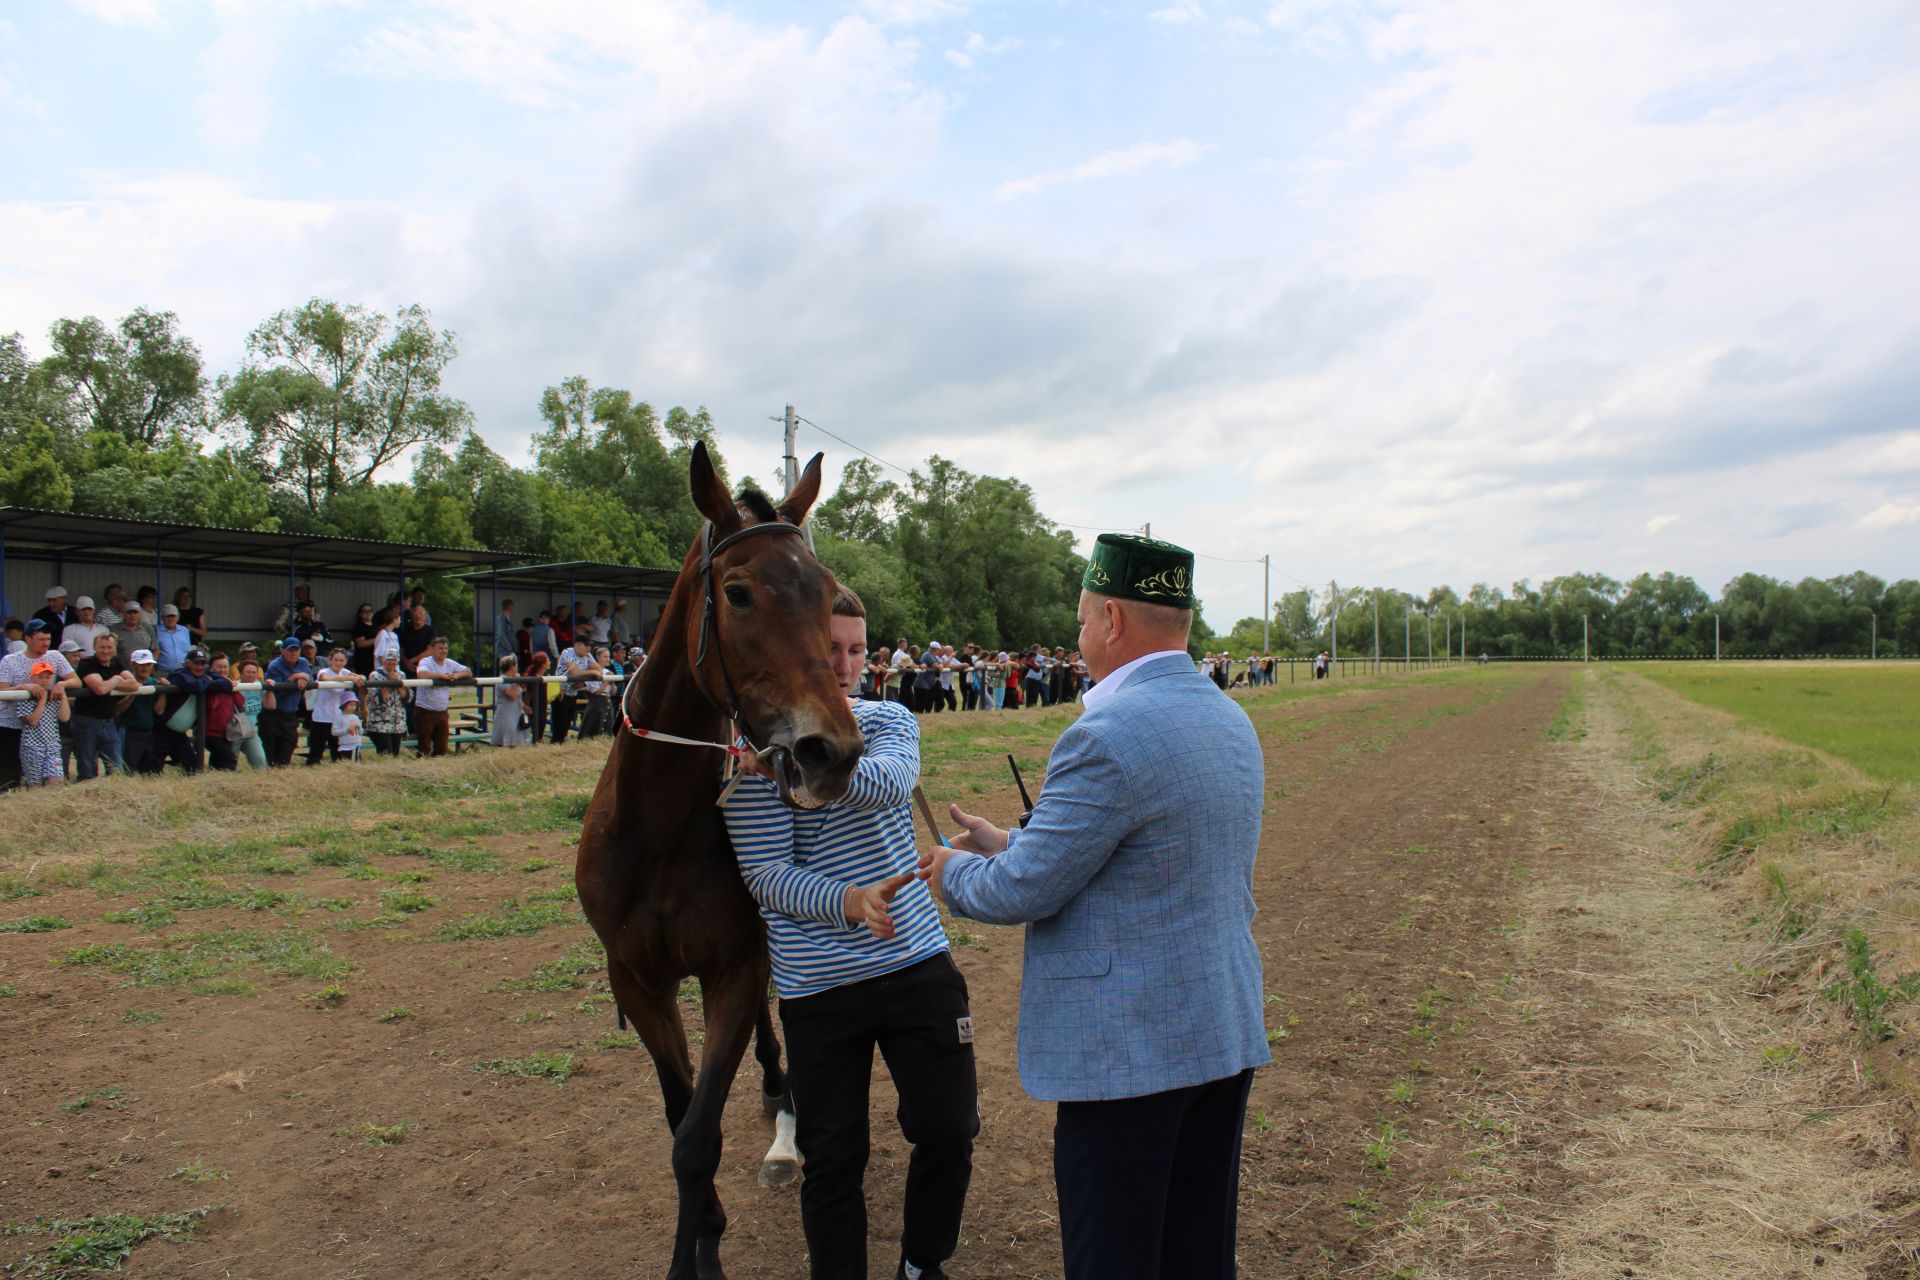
x: 1383, y: 886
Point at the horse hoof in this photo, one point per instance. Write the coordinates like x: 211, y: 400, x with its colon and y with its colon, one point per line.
x: 779, y: 1172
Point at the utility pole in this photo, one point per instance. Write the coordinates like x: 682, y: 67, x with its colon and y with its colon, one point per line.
x: 1146, y: 530
x: 1266, y: 604
x: 1583, y: 639
x: 1376, y: 631
x: 1333, y: 621
x: 792, y: 421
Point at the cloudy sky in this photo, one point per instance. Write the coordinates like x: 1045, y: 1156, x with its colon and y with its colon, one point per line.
x: 1398, y: 293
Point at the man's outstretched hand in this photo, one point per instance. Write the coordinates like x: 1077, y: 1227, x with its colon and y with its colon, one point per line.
x: 872, y: 904
x: 980, y: 835
x: 977, y: 835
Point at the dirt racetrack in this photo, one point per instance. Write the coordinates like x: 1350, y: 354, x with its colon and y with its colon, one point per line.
x: 1449, y: 998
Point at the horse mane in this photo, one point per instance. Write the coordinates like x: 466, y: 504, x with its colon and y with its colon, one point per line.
x: 757, y: 504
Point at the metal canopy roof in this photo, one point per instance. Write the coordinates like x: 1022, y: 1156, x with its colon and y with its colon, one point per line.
x: 72, y: 533
x: 573, y: 574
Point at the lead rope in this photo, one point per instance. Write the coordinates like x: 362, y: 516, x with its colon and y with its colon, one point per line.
x: 734, y: 773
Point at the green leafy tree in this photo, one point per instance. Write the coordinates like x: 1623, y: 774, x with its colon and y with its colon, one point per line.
x: 141, y: 381
x: 604, y: 439
x: 330, y: 394
x: 31, y: 474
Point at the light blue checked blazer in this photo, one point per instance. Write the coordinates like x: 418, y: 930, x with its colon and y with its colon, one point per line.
x: 1135, y: 881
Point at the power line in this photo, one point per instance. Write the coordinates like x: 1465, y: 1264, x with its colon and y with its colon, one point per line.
x: 851, y: 445
x: 1086, y: 528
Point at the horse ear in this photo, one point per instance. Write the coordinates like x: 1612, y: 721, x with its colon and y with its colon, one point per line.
x: 710, y: 496
x: 795, y: 505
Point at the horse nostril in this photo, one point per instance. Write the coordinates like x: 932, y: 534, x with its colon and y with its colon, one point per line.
x: 816, y: 753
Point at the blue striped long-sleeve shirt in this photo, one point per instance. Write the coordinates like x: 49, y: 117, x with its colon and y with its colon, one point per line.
x: 797, y: 863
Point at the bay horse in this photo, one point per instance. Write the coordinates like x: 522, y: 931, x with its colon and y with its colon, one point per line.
x: 743, y: 642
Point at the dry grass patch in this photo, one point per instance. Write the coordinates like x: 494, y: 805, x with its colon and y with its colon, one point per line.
x: 1652, y: 1104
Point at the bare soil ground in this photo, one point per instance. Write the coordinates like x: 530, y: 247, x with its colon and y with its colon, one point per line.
x: 1509, y: 1040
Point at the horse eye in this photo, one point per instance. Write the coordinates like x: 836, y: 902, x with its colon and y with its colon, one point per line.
x: 739, y: 597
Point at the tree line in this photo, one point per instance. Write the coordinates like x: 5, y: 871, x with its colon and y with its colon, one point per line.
x: 330, y: 399
x: 1653, y: 614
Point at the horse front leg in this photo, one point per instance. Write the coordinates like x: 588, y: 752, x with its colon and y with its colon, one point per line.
x: 730, y: 1000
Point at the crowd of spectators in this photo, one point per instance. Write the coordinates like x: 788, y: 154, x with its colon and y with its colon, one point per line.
x: 133, y: 686
x: 970, y: 678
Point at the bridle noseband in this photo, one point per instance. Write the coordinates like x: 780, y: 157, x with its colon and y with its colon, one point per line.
x: 709, y: 632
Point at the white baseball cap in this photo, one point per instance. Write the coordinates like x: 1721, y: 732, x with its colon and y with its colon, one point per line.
x: 140, y: 656
x: 84, y: 602
x: 56, y: 593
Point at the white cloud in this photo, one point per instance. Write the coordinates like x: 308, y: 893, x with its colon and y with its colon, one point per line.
x: 1658, y: 523
x: 236, y: 105
x: 1180, y: 13
x: 978, y: 46
x: 1177, y: 154
x: 1546, y: 272
x: 907, y: 13
x: 1888, y: 516
x: 121, y: 13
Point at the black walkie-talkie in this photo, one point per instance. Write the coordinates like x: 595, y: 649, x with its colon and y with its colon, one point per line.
x: 1025, y: 799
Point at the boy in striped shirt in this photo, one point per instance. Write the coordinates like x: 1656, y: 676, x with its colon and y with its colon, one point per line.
x: 860, y: 960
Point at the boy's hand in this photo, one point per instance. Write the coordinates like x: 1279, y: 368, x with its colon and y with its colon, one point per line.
x: 870, y: 904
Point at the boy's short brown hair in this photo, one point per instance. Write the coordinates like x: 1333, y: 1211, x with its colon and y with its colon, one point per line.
x: 846, y: 604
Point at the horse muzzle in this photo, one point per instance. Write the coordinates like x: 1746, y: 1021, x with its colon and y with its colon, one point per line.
x: 812, y: 771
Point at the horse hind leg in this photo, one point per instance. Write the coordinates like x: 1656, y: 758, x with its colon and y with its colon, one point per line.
x: 781, y: 1165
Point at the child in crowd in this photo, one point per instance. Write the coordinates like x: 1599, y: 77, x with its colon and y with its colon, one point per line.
x: 347, y: 739
x: 40, y: 733
x: 386, y: 721
x: 326, y: 705
x: 224, y: 718
x: 599, y: 714
x: 252, y: 704
x: 509, y: 726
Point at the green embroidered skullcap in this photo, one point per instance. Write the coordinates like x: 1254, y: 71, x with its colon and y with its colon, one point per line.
x: 1136, y: 568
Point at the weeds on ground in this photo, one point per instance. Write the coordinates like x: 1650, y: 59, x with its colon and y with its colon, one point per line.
x: 398, y: 1013
x: 1379, y: 1151
x: 88, y: 1246
x: 557, y: 1067
x: 386, y: 1135
x: 208, y: 959
x: 36, y: 924
x: 563, y: 974
x: 143, y: 1017
x: 113, y: 1097
x: 514, y: 918
x: 1865, y: 995
x: 1566, y: 725
x: 198, y: 1170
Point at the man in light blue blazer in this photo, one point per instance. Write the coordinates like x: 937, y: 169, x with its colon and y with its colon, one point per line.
x: 1140, y: 1008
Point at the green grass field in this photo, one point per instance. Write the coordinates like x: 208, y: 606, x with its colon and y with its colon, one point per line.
x: 1866, y: 714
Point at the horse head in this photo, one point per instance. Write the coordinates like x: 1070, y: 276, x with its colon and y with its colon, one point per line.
x: 760, y: 634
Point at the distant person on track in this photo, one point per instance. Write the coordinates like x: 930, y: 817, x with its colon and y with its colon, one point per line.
x: 1141, y: 1001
